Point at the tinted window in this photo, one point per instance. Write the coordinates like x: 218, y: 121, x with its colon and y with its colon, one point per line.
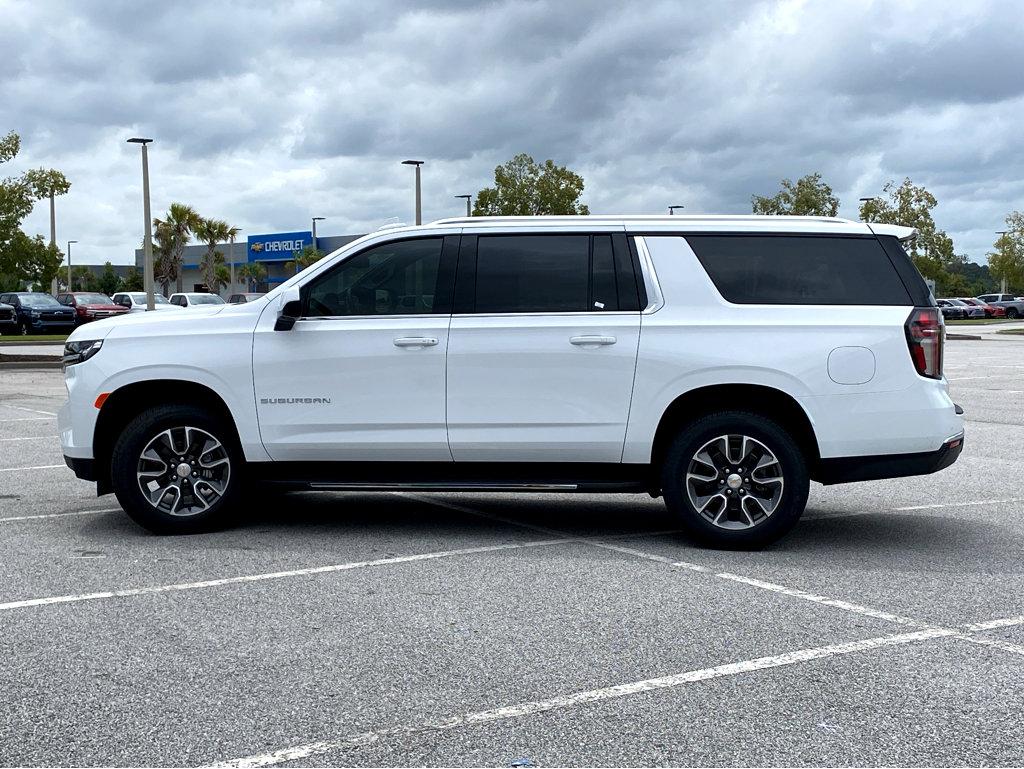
x: 532, y: 273
x: 604, y: 291
x: 764, y: 269
x: 398, y: 278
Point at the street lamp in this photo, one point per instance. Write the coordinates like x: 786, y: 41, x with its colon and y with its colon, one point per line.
x: 71, y: 286
x: 867, y: 200
x: 419, y: 209
x: 672, y: 210
x: 147, y: 243
x: 315, y: 220
x: 468, y: 199
x: 1002, y: 281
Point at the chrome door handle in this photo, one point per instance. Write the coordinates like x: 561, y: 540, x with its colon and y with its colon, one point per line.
x: 595, y: 340
x: 415, y: 341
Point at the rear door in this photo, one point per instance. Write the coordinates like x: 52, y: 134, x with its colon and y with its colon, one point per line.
x: 542, y: 347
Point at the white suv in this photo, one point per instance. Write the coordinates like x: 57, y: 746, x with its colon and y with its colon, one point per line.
x: 723, y: 362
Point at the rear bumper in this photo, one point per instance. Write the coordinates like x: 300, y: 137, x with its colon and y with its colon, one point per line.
x: 873, y: 468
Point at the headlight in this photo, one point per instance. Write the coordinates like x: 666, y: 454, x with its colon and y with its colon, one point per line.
x: 77, y: 352
x: 34, y: 313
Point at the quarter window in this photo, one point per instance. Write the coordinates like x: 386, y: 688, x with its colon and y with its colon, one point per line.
x: 396, y: 278
x: 766, y: 269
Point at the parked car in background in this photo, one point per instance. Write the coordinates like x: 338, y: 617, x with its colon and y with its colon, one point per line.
x: 135, y: 301
x: 971, y: 310
x: 952, y: 311
x: 8, y: 319
x: 244, y: 298
x: 991, y: 311
x: 39, y: 313
x: 90, y: 305
x: 1014, y: 306
x: 195, y: 299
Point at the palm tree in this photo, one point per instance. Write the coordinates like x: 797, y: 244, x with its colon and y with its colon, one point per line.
x: 211, y: 232
x: 163, y: 245
x: 232, y: 234
x: 253, y: 273
x: 180, y: 223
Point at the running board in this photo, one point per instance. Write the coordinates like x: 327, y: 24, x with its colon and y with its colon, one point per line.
x: 444, y: 486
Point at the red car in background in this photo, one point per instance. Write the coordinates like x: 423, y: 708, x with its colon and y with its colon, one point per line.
x: 90, y: 305
x: 991, y: 311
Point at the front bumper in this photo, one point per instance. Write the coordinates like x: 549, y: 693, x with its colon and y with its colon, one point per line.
x: 873, y: 468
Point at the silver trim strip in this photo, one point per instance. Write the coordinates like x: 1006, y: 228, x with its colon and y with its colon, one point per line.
x: 655, y: 299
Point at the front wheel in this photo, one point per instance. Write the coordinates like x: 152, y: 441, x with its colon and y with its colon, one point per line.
x: 177, y: 470
x: 735, y: 480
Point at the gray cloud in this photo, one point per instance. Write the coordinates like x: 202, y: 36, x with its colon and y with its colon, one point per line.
x: 266, y: 114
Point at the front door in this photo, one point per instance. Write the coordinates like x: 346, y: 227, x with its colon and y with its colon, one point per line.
x: 361, y: 375
x: 542, y: 348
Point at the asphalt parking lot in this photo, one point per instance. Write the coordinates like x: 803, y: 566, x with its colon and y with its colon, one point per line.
x: 386, y: 629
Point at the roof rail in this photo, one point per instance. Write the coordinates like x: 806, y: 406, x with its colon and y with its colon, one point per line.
x: 641, y: 218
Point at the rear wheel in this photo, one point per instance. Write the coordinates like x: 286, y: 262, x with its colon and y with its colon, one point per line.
x: 176, y: 469
x: 735, y: 480
x: 1011, y: 312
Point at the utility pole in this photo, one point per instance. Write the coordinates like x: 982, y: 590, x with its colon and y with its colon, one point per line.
x: 672, y: 209
x: 468, y: 198
x: 419, y: 207
x: 147, y: 244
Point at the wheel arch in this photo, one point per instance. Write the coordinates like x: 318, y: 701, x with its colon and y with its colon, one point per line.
x: 759, y: 399
x: 130, y: 400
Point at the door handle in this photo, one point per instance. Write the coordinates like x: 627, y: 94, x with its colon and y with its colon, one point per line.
x: 415, y: 341
x: 594, y: 340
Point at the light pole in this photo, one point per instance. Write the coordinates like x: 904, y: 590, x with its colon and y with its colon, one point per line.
x: 1002, y: 281
x: 468, y: 199
x: 315, y: 220
x: 71, y: 286
x: 672, y: 209
x: 419, y: 208
x: 53, y: 236
x: 147, y: 244
x: 866, y: 200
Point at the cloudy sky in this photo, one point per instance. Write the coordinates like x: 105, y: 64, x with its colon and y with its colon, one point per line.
x: 267, y: 113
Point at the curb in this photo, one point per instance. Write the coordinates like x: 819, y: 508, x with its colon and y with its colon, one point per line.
x: 7, y: 364
x: 948, y: 336
x: 16, y: 344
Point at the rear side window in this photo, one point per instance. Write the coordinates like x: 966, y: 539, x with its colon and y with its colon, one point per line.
x: 770, y: 269
x: 532, y: 273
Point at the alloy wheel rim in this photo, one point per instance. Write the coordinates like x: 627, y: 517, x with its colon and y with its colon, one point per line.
x: 183, y: 471
x: 734, y: 482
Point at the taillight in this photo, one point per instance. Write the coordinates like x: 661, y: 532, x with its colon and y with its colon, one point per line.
x: 925, y: 338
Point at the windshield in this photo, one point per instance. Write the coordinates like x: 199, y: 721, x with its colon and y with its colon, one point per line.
x: 157, y: 299
x: 39, y: 300
x: 93, y: 299
x: 205, y: 299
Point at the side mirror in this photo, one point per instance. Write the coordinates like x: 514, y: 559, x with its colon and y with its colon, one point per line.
x: 290, y: 310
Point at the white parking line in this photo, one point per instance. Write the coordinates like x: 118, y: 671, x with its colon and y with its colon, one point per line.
x: 32, y: 438
x: 910, y: 508
x: 179, y: 587
x: 28, y: 419
x: 995, y: 624
x: 300, y: 752
x: 25, y: 408
x: 36, y: 467
x: 12, y: 519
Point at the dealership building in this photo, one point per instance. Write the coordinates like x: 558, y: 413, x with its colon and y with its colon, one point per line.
x: 273, y: 251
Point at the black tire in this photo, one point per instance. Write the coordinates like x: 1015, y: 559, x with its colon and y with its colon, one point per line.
x: 134, y: 440
x: 1011, y: 313
x: 777, y: 440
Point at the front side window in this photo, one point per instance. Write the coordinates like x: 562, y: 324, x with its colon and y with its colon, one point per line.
x: 395, y: 278
x: 769, y: 269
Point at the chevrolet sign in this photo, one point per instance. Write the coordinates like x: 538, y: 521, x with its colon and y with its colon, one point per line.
x: 281, y: 246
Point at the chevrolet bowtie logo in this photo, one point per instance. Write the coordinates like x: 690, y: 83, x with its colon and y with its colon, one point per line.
x: 257, y: 247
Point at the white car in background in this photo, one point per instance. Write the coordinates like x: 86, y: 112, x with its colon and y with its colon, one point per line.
x: 135, y: 301
x: 195, y: 299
